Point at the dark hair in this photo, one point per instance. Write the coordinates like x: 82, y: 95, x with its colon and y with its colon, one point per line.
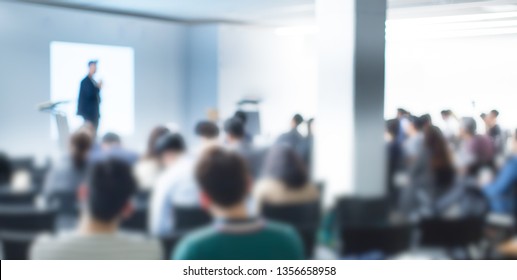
x: 284, y: 164
x: 402, y: 111
x: 111, y: 184
x: 111, y: 138
x: 426, y: 119
x: 207, y: 129
x: 6, y: 169
x: 392, y: 127
x: 241, y: 115
x: 81, y: 143
x: 92, y: 62
x: 469, y: 124
x: 297, y: 119
x: 418, y: 122
x: 495, y: 113
x: 156, y: 133
x: 310, y: 130
x: 234, y: 127
x: 446, y: 112
x: 223, y: 176
x: 441, y: 161
x: 170, y: 142
x: 482, y: 116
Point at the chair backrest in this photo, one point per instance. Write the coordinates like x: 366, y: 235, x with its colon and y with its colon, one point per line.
x: 353, y: 211
x: 27, y: 219
x: 8, y: 197
x: 23, y: 163
x: 297, y: 215
x: 65, y: 202
x: 16, y: 245
x: 304, y: 217
x: 189, y: 218
x: 137, y: 221
x: 388, y: 239
x: 451, y: 232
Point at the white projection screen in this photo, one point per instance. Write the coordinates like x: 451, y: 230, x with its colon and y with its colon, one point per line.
x: 115, y: 67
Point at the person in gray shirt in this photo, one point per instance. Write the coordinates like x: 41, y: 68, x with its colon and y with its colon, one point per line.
x: 107, y: 194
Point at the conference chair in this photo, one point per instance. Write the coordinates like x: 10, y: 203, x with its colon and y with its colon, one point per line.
x: 8, y: 197
x: 137, y: 221
x: 187, y: 218
x: 20, y: 225
x: 27, y: 218
x: 23, y: 163
x: 353, y: 211
x: 450, y: 233
x: 386, y: 239
x: 304, y: 217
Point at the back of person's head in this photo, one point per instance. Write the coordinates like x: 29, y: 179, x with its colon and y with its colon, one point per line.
x: 110, y: 187
x: 80, y: 145
x: 297, y: 120
x: 446, y: 113
x: 156, y: 133
x: 234, y: 127
x: 241, y: 115
x: 402, y: 112
x: 6, y: 170
x: 494, y: 113
x: 223, y: 177
x: 170, y: 142
x: 468, y: 124
x: 426, y: 120
x: 392, y: 127
x: 416, y: 122
x: 111, y: 138
x: 207, y: 129
x: 284, y: 164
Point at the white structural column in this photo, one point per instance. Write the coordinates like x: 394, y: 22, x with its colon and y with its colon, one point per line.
x: 349, y: 151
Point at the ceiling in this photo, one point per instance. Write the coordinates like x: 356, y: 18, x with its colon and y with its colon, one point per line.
x: 272, y: 12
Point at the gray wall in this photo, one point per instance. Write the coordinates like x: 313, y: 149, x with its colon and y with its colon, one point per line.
x: 26, y: 32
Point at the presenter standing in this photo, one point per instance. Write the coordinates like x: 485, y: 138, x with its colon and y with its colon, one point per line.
x: 89, y: 97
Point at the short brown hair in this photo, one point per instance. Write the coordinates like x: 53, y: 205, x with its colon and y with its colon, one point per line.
x: 223, y: 176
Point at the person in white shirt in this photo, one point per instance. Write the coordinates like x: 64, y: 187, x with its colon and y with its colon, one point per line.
x: 107, y: 199
x: 176, y: 186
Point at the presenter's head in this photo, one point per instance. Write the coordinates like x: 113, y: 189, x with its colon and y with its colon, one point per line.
x: 92, y: 67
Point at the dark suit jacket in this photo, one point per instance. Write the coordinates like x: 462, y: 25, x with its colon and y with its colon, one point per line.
x: 89, y: 100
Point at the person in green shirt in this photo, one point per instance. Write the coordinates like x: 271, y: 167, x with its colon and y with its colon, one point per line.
x: 234, y: 234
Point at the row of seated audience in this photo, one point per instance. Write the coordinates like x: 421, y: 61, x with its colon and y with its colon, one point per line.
x: 231, y: 180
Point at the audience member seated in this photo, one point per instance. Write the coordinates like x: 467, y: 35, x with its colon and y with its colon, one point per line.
x: 207, y: 133
x: 293, y: 138
x: 235, y: 235
x: 111, y: 147
x: 6, y: 171
x: 235, y: 140
x: 69, y: 173
x: 500, y: 190
x: 476, y: 151
x: 176, y: 186
x: 241, y: 115
x: 107, y: 197
x: 285, y: 179
x: 147, y: 169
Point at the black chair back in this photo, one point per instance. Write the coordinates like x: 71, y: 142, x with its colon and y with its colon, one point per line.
x: 23, y: 163
x: 451, y: 232
x: 137, y: 221
x: 26, y: 219
x: 358, y: 212
x: 388, y: 239
x: 189, y: 218
x: 16, y: 245
x: 65, y: 202
x: 304, y: 217
x: 9, y: 198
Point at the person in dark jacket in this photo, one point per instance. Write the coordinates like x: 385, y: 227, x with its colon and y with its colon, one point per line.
x: 89, y: 97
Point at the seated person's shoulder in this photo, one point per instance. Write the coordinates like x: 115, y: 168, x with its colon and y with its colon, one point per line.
x: 285, y: 237
x: 193, y: 245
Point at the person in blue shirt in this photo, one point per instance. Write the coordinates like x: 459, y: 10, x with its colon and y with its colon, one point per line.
x: 500, y: 191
